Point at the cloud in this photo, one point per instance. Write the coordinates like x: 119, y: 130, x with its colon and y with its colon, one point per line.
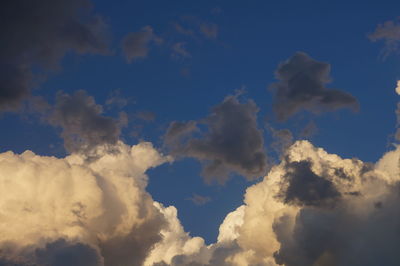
x: 389, y: 32
x: 301, y: 86
x: 210, y: 30
x: 359, y: 229
x: 313, y: 208
x: 398, y: 87
x: 232, y: 143
x: 145, y: 116
x: 83, y: 125
x: 179, y: 50
x: 68, y: 211
x: 135, y: 45
x: 36, y: 36
x: 199, y: 200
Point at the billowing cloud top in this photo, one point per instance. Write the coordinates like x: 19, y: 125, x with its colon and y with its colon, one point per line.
x: 88, y: 213
x: 314, y: 208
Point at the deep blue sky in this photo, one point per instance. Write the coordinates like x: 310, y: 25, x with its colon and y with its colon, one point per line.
x: 253, y: 38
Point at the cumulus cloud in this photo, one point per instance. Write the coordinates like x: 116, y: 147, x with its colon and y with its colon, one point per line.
x: 232, y: 143
x: 68, y: 211
x: 302, y: 86
x: 135, y: 45
x: 398, y: 87
x: 83, y: 125
x: 301, y: 228
x: 314, y: 208
x: 389, y: 32
x: 38, y: 34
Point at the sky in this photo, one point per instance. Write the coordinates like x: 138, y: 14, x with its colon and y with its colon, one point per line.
x: 208, y: 133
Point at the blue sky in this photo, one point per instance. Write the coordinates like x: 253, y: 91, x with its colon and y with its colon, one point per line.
x: 252, y: 39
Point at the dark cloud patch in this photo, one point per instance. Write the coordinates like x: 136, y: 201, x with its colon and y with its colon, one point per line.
x: 302, y: 86
x: 83, y: 125
x: 37, y: 34
x: 303, y: 187
x: 62, y: 253
x: 135, y: 45
x: 389, y: 33
x: 232, y: 143
x: 133, y: 248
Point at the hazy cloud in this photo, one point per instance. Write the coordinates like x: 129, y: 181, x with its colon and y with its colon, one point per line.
x: 302, y: 86
x: 145, y: 115
x: 210, y: 30
x: 199, y: 200
x: 179, y: 50
x: 136, y: 45
x: 389, y: 32
x: 232, y: 143
x: 40, y: 33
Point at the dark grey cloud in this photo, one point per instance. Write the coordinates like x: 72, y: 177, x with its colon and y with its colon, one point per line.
x: 302, y: 86
x: 133, y: 248
x: 389, y: 33
x: 36, y: 35
x: 232, y: 143
x: 301, y: 186
x: 136, y: 45
x: 62, y: 253
x: 83, y: 125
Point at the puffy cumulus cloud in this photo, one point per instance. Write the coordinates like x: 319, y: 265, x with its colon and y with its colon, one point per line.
x: 233, y: 142
x: 135, y: 45
x: 39, y: 33
x: 302, y: 86
x: 314, y: 208
x: 389, y: 32
x: 397, y: 89
x: 83, y: 125
x: 68, y: 211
